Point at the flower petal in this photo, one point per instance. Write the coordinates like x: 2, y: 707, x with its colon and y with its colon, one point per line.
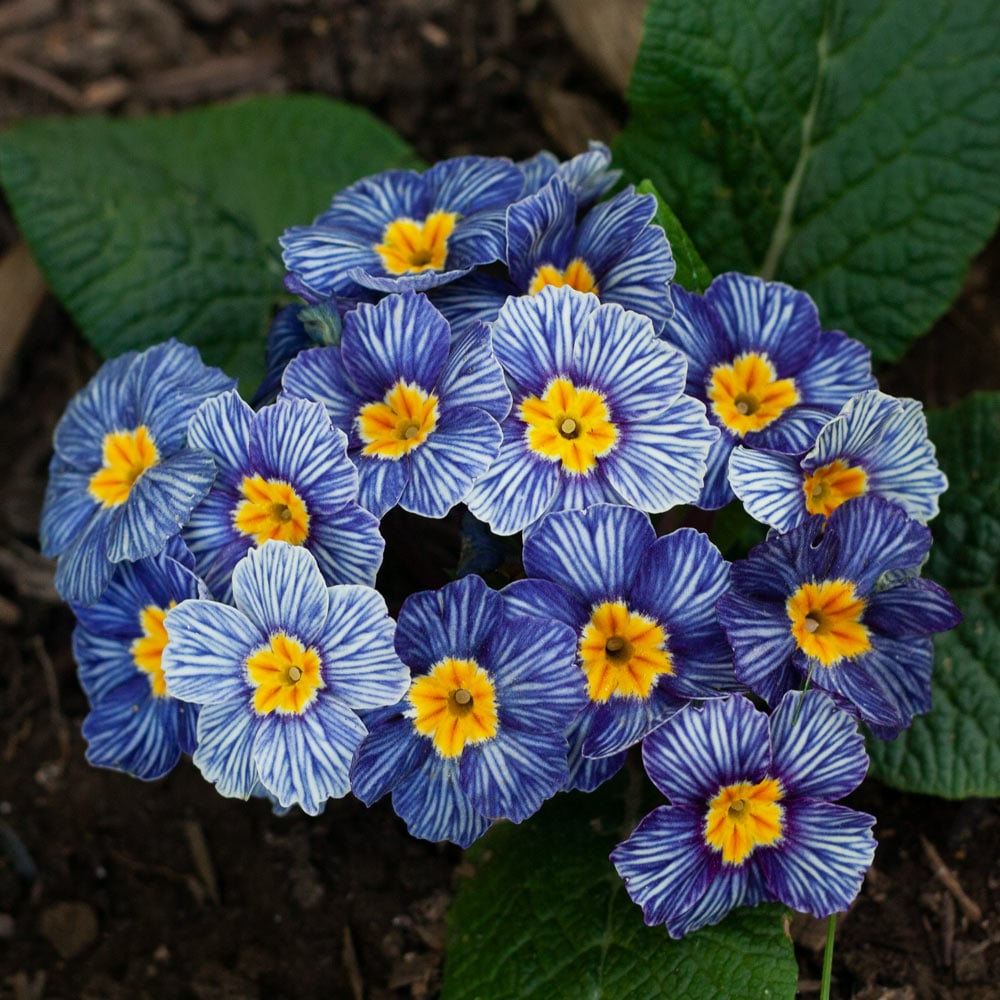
x: 226, y: 734
x: 434, y: 807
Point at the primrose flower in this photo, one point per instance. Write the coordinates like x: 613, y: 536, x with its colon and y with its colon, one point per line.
x: 420, y: 409
x: 586, y: 174
x: 284, y: 474
x: 757, y: 357
x: 643, y: 611
x: 400, y: 229
x: 615, y: 252
x: 121, y: 481
x: 134, y: 725
x: 282, y: 676
x: 480, y: 733
x: 599, y: 414
x: 842, y: 608
x: 752, y: 815
x: 877, y: 445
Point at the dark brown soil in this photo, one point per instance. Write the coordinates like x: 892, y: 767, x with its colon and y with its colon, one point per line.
x: 112, y: 888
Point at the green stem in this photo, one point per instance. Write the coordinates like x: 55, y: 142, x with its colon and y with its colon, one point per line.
x: 831, y: 929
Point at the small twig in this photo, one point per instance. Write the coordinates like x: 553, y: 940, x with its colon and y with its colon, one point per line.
x: 195, y: 887
x: 350, y: 960
x: 52, y: 689
x: 41, y: 79
x: 968, y: 906
x: 202, y: 858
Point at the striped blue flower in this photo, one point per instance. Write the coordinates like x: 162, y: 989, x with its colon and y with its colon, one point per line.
x: 877, y: 445
x: 843, y: 610
x: 769, y: 375
x: 752, y: 815
x: 133, y: 724
x: 283, y: 474
x: 480, y: 734
x: 587, y: 174
x: 614, y: 252
x: 643, y: 612
x: 282, y: 676
x: 599, y: 414
x: 122, y: 480
x: 400, y: 229
x: 420, y: 408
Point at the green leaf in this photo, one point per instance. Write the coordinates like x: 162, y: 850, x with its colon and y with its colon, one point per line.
x: 954, y: 751
x: 546, y: 917
x: 849, y: 149
x: 692, y: 274
x: 167, y: 227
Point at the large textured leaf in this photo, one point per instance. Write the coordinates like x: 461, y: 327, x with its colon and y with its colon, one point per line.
x: 167, y: 227
x: 692, y: 274
x: 545, y: 917
x: 954, y: 751
x: 850, y: 149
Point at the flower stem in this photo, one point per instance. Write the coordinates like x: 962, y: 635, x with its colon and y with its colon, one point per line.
x: 831, y: 929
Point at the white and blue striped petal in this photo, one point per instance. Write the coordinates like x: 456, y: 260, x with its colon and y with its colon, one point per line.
x: 359, y: 663
x: 221, y: 426
x: 817, y: 751
x: 304, y: 759
x: 224, y: 755
x: 766, y: 317
x: 820, y: 864
x: 84, y: 570
x: 347, y: 547
x: 472, y: 375
x: 532, y: 665
x: 511, y: 775
x: 660, y: 462
x: 914, y: 607
x: 130, y: 731
x: 839, y: 368
x: 104, y: 662
x: 534, y: 336
x: 594, y: 552
x: 665, y: 864
x: 443, y: 468
x: 204, y: 659
x: 706, y: 747
x: 401, y: 338
x: 319, y: 374
x: 620, y: 723
x: 387, y: 756
x: 637, y: 375
x: 540, y: 231
x: 769, y: 485
x: 380, y: 483
x: 434, y: 807
x: 279, y: 587
x: 455, y: 621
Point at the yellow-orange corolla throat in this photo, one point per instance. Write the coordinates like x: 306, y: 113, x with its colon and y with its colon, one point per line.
x: 286, y: 675
x: 271, y: 510
x: 147, y: 650
x: 833, y: 484
x: 409, y: 246
x: 826, y: 621
x: 743, y: 817
x: 400, y: 423
x: 127, y: 455
x: 454, y: 704
x: 747, y: 396
x: 570, y: 425
x: 622, y: 653
x: 576, y: 275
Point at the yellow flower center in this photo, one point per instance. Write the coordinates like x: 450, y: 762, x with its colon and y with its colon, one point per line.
x: 569, y: 425
x: 746, y: 396
x: 409, y: 247
x: 127, y: 455
x: 392, y: 428
x: 286, y: 675
x: 576, y: 275
x: 271, y: 510
x: 622, y: 653
x: 454, y: 705
x: 831, y: 485
x: 743, y: 817
x: 147, y: 650
x: 826, y: 621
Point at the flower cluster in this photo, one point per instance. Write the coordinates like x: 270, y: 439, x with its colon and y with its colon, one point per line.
x: 494, y: 335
